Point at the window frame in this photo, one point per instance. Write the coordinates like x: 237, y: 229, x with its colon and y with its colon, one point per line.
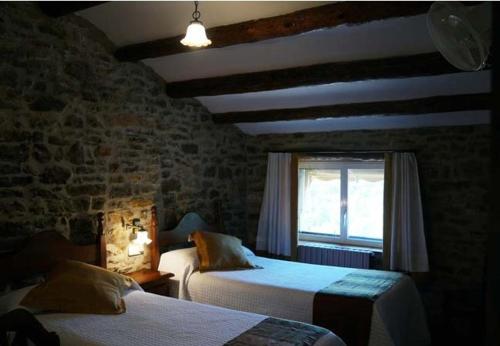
x: 343, y: 165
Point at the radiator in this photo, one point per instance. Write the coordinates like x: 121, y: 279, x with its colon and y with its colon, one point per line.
x: 333, y: 255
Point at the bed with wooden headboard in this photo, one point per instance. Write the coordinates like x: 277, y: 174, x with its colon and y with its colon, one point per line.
x: 162, y: 240
x: 298, y: 291
x: 149, y: 319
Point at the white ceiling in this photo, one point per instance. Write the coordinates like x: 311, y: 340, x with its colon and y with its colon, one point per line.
x: 134, y: 22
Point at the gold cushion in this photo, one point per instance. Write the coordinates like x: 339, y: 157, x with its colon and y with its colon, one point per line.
x: 219, y: 251
x: 78, y: 287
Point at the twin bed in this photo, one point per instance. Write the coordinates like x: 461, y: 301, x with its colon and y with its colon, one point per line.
x: 156, y: 320
x: 149, y: 319
x: 236, y: 304
x: 289, y: 290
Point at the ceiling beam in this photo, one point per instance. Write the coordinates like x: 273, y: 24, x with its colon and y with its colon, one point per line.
x: 61, y: 8
x: 396, y: 67
x: 310, y: 19
x: 437, y: 104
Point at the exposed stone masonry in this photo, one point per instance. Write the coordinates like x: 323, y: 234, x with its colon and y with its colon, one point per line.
x: 82, y: 133
x: 454, y: 175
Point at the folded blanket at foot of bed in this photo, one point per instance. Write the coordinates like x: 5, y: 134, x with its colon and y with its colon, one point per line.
x: 345, y: 306
x: 273, y: 331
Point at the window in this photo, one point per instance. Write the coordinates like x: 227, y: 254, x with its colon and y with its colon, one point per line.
x: 341, y: 201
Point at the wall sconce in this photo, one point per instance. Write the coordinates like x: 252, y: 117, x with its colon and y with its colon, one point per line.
x: 140, y: 238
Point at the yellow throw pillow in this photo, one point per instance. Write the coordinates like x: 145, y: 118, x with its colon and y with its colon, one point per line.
x: 218, y: 251
x: 78, y: 287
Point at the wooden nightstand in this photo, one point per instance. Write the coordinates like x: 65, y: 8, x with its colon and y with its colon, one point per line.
x: 152, y: 281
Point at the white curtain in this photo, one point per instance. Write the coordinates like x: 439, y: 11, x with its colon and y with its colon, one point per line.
x: 405, y: 249
x: 274, y: 231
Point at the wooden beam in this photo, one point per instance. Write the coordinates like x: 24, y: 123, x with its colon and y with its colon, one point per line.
x: 437, y: 104
x: 61, y: 8
x: 395, y: 67
x: 320, y: 17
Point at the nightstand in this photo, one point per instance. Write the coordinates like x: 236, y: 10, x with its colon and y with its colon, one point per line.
x: 152, y: 281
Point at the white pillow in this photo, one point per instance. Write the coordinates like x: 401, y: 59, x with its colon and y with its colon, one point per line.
x: 181, y: 263
x: 247, y: 251
x: 12, y: 300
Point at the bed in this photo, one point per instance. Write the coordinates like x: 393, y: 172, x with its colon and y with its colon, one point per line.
x: 149, y: 319
x: 288, y: 290
x: 156, y: 320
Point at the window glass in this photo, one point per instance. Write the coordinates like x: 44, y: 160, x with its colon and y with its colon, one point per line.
x: 319, y: 201
x: 365, y: 203
x: 341, y: 202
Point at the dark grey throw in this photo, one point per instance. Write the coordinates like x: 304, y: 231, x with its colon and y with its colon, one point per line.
x: 368, y: 284
x: 277, y: 332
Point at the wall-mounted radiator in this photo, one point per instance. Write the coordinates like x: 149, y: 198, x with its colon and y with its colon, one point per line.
x: 329, y: 254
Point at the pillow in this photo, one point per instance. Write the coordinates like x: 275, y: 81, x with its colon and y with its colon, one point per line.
x: 219, y: 251
x: 247, y: 251
x: 12, y: 300
x: 181, y: 263
x: 78, y: 287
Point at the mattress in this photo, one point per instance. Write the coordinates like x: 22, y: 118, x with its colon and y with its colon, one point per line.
x: 155, y: 320
x: 286, y: 290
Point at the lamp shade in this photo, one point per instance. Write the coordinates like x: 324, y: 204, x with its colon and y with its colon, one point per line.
x: 196, y: 36
x: 142, y: 238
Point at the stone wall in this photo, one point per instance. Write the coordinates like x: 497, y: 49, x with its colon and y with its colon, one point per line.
x: 454, y: 172
x: 82, y: 133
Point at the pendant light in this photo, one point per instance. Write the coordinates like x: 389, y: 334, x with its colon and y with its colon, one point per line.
x: 195, y: 33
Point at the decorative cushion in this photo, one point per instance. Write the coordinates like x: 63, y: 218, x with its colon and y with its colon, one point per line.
x: 78, y: 287
x: 218, y: 251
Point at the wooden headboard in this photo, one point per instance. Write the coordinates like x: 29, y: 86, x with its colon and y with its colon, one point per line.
x: 189, y: 223
x: 179, y: 234
x: 41, y: 251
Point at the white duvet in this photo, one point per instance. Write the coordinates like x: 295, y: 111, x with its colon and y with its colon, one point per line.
x: 286, y: 290
x: 155, y: 320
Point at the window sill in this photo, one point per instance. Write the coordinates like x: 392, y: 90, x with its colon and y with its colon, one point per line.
x: 338, y: 246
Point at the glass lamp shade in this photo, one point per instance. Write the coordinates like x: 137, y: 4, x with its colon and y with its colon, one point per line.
x: 196, y: 36
x: 142, y: 238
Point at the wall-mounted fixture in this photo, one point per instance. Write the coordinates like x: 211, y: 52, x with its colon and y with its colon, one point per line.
x: 195, y: 32
x: 139, y: 238
x: 462, y: 34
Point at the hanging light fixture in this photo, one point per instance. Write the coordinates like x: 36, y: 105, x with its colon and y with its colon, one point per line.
x: 195, y: 33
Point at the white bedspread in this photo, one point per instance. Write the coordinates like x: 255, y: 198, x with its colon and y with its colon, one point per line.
x: 156, y: 320
x: 286, y: 290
